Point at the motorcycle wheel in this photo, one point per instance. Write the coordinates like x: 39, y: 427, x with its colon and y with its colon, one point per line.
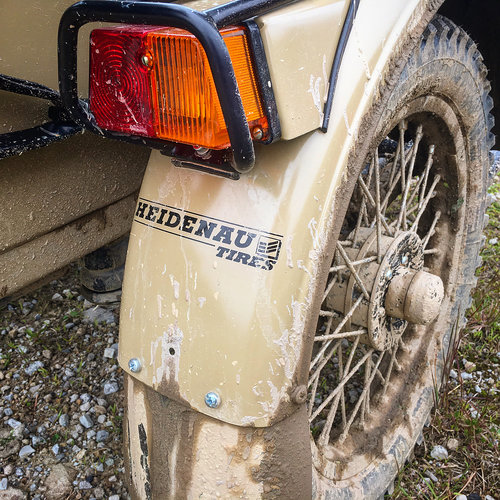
x: 412, y: 231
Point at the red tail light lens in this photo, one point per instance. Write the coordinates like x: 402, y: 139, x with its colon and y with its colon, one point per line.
x: 157, y: 82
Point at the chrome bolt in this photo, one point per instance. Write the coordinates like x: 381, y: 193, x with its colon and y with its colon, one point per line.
x: 257, y: 133
x: 203, y: 153
x: 212, y: 400
x: 134, y: 365
x: 388, y: 274
x: 146, y: 61
x: 404, y: 260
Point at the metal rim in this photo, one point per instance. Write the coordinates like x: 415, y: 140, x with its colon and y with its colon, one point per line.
x: 355, y: 389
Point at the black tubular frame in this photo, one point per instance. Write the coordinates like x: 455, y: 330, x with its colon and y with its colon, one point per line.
x: 203, y: 25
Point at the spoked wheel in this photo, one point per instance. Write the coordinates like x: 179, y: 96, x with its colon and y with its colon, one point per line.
x: 402, y: 271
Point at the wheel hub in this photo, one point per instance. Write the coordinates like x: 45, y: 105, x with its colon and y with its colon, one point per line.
x: 395, y: 291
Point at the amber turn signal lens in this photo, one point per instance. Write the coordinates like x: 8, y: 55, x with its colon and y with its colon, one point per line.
x: 157, y: 82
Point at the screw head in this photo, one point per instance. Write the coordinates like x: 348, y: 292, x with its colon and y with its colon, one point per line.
x: 212, y: 400
x: 257, y: 133
x: 146, y: 60
x: 134, y: 365
x: 404, y: 260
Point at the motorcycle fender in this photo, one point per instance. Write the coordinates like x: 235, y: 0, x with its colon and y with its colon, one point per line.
x: 224, y: 279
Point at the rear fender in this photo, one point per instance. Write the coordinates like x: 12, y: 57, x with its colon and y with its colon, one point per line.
x: 221, y: 281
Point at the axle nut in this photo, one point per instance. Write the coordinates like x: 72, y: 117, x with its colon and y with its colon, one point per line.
x: 415, y: 296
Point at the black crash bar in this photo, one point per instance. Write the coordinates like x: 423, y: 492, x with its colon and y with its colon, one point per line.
x: 203, y: 25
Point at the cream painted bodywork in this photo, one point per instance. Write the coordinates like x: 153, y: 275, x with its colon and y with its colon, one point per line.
x: 62, y: 201
x: 199, y: 323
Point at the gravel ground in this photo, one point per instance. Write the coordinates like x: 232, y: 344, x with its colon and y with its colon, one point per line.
x: 61, y: 397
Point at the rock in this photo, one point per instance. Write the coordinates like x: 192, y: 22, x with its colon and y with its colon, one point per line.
x: 453, y: 374
x: 439, y: 453
x: 84, y: 485
x: 466, y: 376
x: 85, y: 407
x: 57, y: 297
x: 469, y: 366
x: 431, y: 476
x: 12, y: 422
x: 101, y: 419
x: 86, y: 421
x: 109, y: 353
x: 33, y: 368
x: 461, y: 497
x: 59, y: 482
x: 98, y: 315
x: 4, y: 484
x: 26, y: 451
x: 99, y: 493
x: 102, y: 436
x: 13, y: 494
x: 110, y: 388
x: 64, y: 420
x: 452, y: 444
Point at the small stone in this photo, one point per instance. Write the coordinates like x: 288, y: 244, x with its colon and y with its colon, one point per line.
x: 4, y: 484
x: 439, y: 453
x: 98, y: 315
x: 99, y: 493
x: 86, y: 398
x: 26, y: 451
x: 12, y: 422
x: 431, y: 476
x: 91, y: 434
x: 33, y: 368
x: 56, y: 449
x: 46, y: 354
x: 112, y: 479
x: 452, y: 444
x: 493, y: 241
x: 114, y: 497
x: 85, y: 407
x: 473, y: 496
x: 101, y: 419
x: 469, y: 366
x: 8, y: 412
x: 466, y: 376
x: 84, y: 485
x: 86, y: 421
x: 109, y: 353
x: 64, y: 420
x: 57, y: 297
x: 453, y: 374
x: 102, y: 436
x: 487, y: 497
x: 109, y: 462
x: 110, y: 388
x: 461, y: 497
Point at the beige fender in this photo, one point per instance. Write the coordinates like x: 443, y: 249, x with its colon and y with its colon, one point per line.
x: 220, y: 291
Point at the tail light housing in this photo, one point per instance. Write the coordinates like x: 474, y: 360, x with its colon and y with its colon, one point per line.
x: 157, y: 82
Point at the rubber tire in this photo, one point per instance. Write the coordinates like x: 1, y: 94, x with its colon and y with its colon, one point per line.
x: 445, y: 63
